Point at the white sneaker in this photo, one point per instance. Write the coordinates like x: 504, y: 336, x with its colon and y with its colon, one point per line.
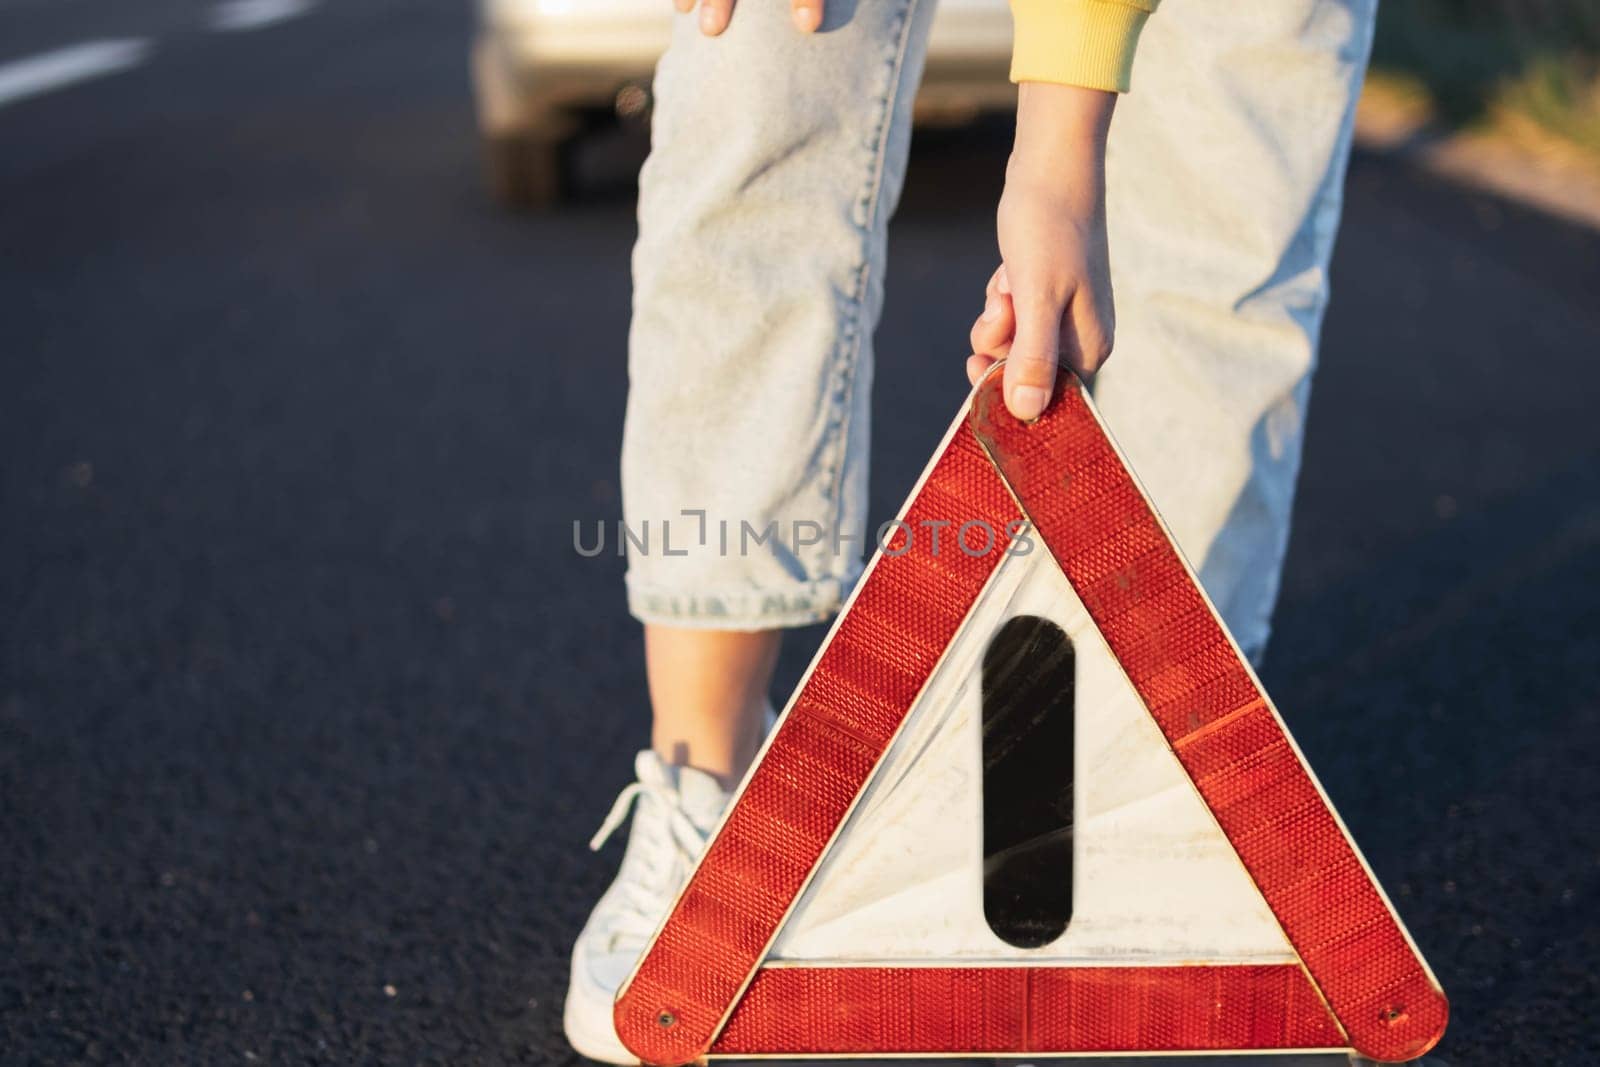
x: 677, y: 809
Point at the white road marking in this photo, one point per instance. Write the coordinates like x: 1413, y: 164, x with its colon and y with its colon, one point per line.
x: 234, y: 15
x: 47, y: 71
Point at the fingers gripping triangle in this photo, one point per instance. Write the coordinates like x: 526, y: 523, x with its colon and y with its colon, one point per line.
x: 1349, y: 976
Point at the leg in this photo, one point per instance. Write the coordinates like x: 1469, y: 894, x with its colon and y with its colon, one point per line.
x: 709, y: 690
x: 1224, y: 176
x: 758, y: 276
x: 776, y: 161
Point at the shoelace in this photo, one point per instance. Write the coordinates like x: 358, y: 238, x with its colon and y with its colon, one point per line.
x: 686, y: 834
x: 643, y: 900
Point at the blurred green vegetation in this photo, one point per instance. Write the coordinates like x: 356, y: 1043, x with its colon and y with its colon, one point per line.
x: 1477, y: 60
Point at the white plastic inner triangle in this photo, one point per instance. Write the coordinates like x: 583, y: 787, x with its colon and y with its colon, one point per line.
x: 1154, y: 879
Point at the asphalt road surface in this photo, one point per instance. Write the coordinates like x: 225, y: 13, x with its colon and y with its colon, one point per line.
x: 307, y: 707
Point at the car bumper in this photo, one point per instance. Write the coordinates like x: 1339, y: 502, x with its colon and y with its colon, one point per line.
x: 581, y: 52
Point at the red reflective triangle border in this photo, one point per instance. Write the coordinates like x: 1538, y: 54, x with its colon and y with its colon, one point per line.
x: 701, y: 988
x: 977, y: 1010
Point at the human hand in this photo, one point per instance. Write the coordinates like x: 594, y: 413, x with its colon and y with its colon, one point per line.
x: 714, y: 14
x: 1050, y: 300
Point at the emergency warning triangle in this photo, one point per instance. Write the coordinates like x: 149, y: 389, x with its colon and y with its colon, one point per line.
x: 888, y: 879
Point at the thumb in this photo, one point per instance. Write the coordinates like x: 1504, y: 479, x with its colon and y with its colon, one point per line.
x: 1030, y: 374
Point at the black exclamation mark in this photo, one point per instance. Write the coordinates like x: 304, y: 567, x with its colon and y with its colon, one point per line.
x: 1028, y: 675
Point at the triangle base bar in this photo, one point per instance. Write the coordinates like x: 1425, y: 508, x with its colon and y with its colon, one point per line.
x: 819, y: 1011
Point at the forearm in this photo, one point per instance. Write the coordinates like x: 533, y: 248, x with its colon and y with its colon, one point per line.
x: 1061, y: 140
x: 1050, y: 301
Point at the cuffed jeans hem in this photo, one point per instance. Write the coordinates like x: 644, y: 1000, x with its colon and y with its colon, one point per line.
x: 801, y: 604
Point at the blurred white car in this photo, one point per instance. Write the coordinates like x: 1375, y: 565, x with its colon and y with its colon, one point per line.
x: 547, y: 71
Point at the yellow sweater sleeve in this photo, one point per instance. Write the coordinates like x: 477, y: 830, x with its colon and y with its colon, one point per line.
x: 1077, y: 42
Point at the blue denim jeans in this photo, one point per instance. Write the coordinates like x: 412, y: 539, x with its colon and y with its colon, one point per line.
x: 776, y: 162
